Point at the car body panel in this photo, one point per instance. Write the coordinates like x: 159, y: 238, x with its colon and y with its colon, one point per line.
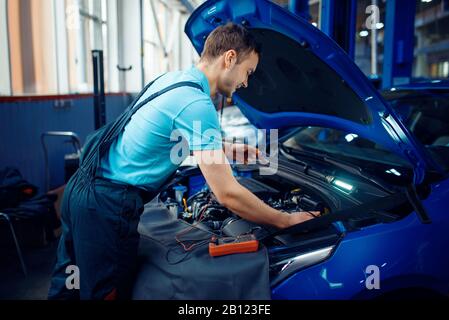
x: 383, y: 127
x: 409, y: 254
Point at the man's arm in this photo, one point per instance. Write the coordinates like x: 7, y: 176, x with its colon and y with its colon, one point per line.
x: 237, y: 198
x: 243, y: 153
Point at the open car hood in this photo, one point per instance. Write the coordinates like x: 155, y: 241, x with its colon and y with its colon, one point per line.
x: 305, y: 79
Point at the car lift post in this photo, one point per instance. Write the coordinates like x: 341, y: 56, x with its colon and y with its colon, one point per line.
x: 338, y: 21
x: 399, y: 42
x: 99, y: 98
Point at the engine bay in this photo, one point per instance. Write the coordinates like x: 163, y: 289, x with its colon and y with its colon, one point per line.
x: 196, y: 204
x: 189, y: 199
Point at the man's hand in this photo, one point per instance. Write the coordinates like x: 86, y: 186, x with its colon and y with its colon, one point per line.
x: 243, y: 153
x: 302, y: 216
x: 237, y: 198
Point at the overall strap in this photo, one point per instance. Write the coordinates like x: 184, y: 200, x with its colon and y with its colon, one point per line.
x: 119, y: 125
x: 134, y: 109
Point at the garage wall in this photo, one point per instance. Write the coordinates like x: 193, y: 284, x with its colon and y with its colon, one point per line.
x: 23, y: 121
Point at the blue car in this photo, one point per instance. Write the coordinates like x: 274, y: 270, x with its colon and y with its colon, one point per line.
x: 380, y: 184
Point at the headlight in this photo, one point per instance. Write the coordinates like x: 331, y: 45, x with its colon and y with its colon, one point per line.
x: 290, y: 265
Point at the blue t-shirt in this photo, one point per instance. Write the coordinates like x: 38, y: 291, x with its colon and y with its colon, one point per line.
x: 162, y: 133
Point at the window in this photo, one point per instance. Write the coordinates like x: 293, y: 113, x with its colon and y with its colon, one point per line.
x: 32, y: 47
x: 86, y: 31
x: 431, y: 39
x: 48, y: 43
x: 5, y: 83
x: 426, y: 114
x: 341, y: 144
x: 166, y: 47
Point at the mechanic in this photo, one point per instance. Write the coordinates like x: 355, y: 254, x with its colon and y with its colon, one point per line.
x: 129, y: 160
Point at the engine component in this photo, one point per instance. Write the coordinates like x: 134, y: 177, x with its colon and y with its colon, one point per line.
x: 216, y: 212
x: 173, y: 207
x: 214, y: 225
x: 204, y: 208
x: 179, y: 193
x: 197, y: 207
x: 306, y: 202
x: 233, y: 227
x: 260, y: 189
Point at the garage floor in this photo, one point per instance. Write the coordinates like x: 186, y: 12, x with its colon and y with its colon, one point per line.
x: 39, y: 262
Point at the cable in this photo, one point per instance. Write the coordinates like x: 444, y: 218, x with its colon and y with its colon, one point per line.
x: 185, y: 253
x: 187, y: 230
x: 189, y: 199
x: 312, y: 214
x: 196, y: 242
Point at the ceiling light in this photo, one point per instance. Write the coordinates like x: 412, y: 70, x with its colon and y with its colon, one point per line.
x: 363, y: 33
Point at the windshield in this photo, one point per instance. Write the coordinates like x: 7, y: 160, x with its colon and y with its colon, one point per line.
x: 426, y: 115
x: 341, y: 144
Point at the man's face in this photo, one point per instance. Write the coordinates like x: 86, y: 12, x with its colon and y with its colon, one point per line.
x: 235, y: 75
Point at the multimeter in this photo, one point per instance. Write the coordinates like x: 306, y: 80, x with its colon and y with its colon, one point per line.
x: 230, y: 245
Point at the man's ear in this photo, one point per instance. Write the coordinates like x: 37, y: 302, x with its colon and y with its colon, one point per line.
x: 230, y: 58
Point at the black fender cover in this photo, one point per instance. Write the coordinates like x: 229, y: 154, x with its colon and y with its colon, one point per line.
x: 167, y: 271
